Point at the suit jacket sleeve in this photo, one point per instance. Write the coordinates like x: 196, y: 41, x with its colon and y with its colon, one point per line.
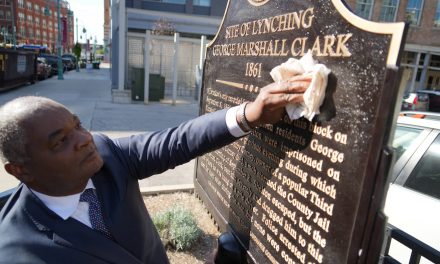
x: 155, y: 152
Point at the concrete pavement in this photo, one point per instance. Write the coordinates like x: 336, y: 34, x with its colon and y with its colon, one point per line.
x: 88, y: 94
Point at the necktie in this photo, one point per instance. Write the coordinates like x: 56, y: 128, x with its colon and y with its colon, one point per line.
x: 95, y: 213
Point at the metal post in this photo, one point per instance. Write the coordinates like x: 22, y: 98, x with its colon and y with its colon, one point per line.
x: 426, y: 63
x: 412, y: 88
x: 60, y: 63
x: 77, y: 41
x: 122, y: 42
x: 147, y: 66
x: 201, y: 62
x: 175, y: 66
x: 14, y: 40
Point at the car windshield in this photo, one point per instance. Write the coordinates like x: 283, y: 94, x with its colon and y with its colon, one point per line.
x: 404, y: 137
x: 425, y: 178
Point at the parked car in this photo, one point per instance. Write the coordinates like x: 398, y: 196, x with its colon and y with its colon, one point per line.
x: 53, y: 62
x: 413, y: 199
x: 415, y: 102
x: 434, y: 99
x: 44, y: 70
x: 68, y: 64
x: 71, y: 57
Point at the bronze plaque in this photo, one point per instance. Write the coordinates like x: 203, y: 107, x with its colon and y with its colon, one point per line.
x: 300, y: 191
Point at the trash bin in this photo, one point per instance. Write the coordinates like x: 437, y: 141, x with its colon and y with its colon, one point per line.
x: 156, y: 82
x: 137, y: 88
x: 157, y: 87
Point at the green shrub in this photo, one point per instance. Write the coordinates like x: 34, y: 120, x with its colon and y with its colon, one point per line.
x: 177, y: 228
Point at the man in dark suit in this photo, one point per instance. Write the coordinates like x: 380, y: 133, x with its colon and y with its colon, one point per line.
x: 79, y: 201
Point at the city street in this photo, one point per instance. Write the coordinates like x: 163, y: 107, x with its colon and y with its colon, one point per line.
x: 88, y: 94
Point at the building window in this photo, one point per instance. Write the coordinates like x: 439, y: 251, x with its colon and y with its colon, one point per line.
x: 21, y: 3
x: 437, y: 16
x: 44, y: 23
x: 37, y: 21
x: 388, y: 10
x: 37, y: 8
x: 8, y: 15
x: 2, y: 14
x: 44, y: 35
x: 413, y: 11
x: 202, y: 2
x: 37, y: 33
x: 364, y: 8
x: 22, y: 32
x: 21, y: 17
x: 30, y: 33
x: 29, y: 6
x: 30, y: 19
x: 8, y: 2
x: 50, y: 25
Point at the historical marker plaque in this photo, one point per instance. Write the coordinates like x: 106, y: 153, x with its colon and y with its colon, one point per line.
x: 300, y: 191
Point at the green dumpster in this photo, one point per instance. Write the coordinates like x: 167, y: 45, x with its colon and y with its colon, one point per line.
x: 137, y: 88
x: 157, y: 86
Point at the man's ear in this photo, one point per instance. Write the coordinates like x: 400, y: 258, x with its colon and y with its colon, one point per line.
x: 19, y: 171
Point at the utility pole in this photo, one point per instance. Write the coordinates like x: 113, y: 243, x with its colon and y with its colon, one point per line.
x: 77, y: 42
x: 14, y: 41
x: 77, y: 36
x: 60, y: 63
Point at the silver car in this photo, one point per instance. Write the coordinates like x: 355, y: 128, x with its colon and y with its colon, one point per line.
x: 413, y: 199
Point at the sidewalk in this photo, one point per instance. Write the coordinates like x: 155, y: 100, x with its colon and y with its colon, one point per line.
x: 88, y: 94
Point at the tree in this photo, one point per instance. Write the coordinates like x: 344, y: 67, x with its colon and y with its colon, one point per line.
x: 77, y: 51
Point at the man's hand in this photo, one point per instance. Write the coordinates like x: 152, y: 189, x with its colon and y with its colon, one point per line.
x: 269, y: 106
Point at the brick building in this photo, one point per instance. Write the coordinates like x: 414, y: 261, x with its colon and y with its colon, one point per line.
x: 421, y: 59
x: 36, y: 23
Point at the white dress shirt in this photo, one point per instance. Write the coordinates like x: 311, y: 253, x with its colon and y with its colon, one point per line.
x: 68, y: 206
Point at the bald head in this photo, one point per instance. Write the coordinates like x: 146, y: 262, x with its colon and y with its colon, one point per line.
x: 16, y: 118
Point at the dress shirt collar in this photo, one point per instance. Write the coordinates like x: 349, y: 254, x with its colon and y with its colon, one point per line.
x: 64, y: 206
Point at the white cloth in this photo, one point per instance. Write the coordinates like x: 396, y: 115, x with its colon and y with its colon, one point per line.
x: 68, y: 206
x: 315, y: 93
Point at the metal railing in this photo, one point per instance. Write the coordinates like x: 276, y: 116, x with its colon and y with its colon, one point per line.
x: 417, y: 247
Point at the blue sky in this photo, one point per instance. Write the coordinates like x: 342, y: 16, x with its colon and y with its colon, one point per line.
x: 90, y: 14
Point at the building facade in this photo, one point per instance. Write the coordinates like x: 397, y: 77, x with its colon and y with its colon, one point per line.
x: 36, y: 23
x: 192, y: 19
x: 107, y: 28
x: 421, y: 58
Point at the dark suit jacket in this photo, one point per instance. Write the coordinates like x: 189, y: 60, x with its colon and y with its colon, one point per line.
x: 31, y: 233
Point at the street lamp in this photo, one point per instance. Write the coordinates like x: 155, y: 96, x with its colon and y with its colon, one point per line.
x: 77, y: 41
x: 14, y: 39
x: 85, y: 51
x: 60, y: 63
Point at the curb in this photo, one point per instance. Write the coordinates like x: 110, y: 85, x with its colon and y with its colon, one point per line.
x: 154, y: 190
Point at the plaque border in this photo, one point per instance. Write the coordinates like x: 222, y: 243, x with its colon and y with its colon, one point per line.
x: 396, y: 29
